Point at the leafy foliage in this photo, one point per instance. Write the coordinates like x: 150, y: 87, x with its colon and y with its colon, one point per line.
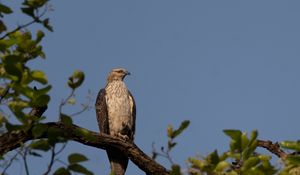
x: 23, y: 89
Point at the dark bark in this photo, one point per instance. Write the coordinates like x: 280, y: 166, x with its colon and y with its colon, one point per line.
x: 12, y: 140
x: 273, y: 148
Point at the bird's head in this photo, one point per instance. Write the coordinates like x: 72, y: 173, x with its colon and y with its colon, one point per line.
x: 117, y: 74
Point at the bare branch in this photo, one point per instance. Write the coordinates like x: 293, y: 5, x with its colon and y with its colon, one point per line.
x: 24, y: 157
x: 53, y: 154
x: 273, y: 148
x: 35, y: 20
x: 65, y: 101
x: 85, y: 106
x: 10, y: 162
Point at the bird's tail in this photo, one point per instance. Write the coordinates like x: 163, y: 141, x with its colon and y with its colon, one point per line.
x: 118, y: 161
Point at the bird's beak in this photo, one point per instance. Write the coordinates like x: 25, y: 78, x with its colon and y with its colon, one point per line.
x: 128, y: 73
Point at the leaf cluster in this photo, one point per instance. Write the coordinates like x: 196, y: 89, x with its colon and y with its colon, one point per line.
x: 74, y: 161
x: 18, y: 82
x: 23, y: 89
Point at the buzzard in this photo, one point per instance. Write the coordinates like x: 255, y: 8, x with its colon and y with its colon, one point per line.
x: 115, y: 109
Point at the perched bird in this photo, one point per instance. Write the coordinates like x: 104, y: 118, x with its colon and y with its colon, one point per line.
x: 116, y: 111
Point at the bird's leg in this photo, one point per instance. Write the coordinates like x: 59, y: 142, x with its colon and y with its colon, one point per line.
x: 125, y: 132
x: 123, y: 137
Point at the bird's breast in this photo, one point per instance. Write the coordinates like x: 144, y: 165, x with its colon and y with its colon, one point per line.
x: 119, y: 108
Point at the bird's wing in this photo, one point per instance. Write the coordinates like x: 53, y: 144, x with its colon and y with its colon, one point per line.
x: 101, y: 111
x: 133, y: 109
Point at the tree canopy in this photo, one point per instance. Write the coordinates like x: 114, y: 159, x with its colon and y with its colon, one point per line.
x: 24, y: 95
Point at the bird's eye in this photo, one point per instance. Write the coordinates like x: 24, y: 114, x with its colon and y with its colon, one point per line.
x: 119, y: 71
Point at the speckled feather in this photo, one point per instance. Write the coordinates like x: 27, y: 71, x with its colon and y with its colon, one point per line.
x: 116, y: 115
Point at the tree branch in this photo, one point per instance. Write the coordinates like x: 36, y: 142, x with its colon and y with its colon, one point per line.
x: 36, y: 19
x: 273, y: 148
x: 12, y: 140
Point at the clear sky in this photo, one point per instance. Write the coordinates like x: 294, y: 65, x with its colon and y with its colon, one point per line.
x: 220, y: 64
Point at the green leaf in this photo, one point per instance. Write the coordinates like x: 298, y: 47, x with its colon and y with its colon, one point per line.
x: 26, y: 78
x: 249, y: 163
x: 295, y: 170
x: 80, y: 169
x: 67, y: 120
x: 86, y: 134
x: 39, y: 76
x: 213, y: 158
x: 170, y: 131
x: 47, y: 25
x: 40, y: 101
x: 42, y: 91
x: 17, y: 107
x: 4, y: 91
x: 11, y: 127
x: 62, y: 171
x: 13, y: 66
x: 294, y: 159
x: 24, y: 90
x: 39, y: 36
x: 28, y: 11
x: 35, y: 3
x: 38, y: 130
x: 251, y: 147
x: 171, y: 144
x: 234, y: 134
x: 41, y: 145
x: 55, y: 135
x: 76, y: 79
x: 235, y: 143
x: 2, y: 120
x: 247, y: 152
x: 72, y: 101
x: 76, y: 158
x: 222, y: 166
x: 181, y: 128
x: 175, y: 170
x: 291, y: 145
x: 196, y: 163
x: 244, y: 140
x: 5, y: 9
x: 253, y: 136
x: 2, y: 27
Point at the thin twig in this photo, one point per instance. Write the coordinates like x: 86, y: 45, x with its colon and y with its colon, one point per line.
x: 85, y: 108
x: 9, y: 163
x: 24, y: 156
x: 17, y: 29
x: 64, y: 101
x: 35, y: 20
x: 62, y: 148
x: 62, y: 162
x: 164, y: 154
x: 53, y: 154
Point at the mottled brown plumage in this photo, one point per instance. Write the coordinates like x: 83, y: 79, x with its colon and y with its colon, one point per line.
x: 116, y: 112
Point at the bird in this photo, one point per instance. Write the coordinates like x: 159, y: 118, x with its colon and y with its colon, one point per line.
x: 116, y: 116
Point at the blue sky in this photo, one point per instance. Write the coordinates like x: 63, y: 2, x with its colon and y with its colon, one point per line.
x: 219, y: 64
